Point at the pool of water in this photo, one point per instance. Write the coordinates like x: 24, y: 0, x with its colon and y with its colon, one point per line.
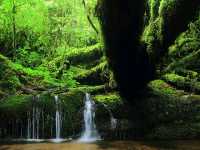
x: 112, y: 145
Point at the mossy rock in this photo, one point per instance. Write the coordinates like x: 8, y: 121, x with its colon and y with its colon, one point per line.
x: 73, y: 97
x: 91, y: 89
x: 18, y: 109
x: 109, y: 99
x: 100, y: 74
x: 190, y: 61
x: 85, y: 55
x: 183, y: 48
x: 15, y: 105
x: 14, y: 76
x: 2, y: 94
x: 161, y: 108
x: 184, y: 83
x: 160, y: 87
x: 190, y: 74
x: 162, y: 105
x: 72, y: 109
x: 176, y: 131
x: 114, y: 103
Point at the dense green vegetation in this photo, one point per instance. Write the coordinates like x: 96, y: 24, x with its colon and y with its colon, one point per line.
x: 141, y: 60
x: 45, y: 44
x: 156, y: 65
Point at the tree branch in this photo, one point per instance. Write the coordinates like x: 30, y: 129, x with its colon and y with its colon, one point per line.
x: 89, y: 19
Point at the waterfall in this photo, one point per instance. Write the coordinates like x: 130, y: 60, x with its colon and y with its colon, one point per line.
x: 113, y: 121
x: 90, y: 133
x: 33, y: 121
x: 29, y: 126
x: 58, y: 121
x: 58, y: 118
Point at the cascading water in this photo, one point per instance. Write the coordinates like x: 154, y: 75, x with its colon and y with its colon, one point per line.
x: 39, y: 123
x: 33, y: 121
x: 58, y: 118
x: 90, y: 133
x: 113, y: 121
x: 58, y: 121
x: 29, y: 126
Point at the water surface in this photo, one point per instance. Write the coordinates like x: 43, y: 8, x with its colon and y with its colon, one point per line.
x: 115, y: 145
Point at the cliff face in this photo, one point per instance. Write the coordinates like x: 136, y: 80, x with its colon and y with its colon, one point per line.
x: 134, y: 61
x: 122, y: 25
x: 153, y: 62
x: 155, y: 59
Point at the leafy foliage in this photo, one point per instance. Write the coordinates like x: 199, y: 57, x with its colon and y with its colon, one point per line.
x: 40, y: 40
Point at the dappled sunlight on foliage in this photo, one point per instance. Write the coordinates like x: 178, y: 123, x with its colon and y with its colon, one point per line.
x: 44, y: 39
x: 138, y: 59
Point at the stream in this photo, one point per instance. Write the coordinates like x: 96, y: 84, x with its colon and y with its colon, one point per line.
x: 106, y: 145
x: 89, y: 139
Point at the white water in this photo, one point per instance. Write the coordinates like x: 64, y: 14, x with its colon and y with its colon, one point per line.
x: 58, y: 121
x: 33, y: 126
x: 113, y: 121
x: 33, y: 122
x: 90, y: 133
x: 29, y: 126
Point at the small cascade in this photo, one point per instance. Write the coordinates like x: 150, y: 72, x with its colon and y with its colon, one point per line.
x: 113, y: 121
x: 58, y: 121
x: 29, y: 126
x: 33, y: 121
x: 90, y: 133
x: 58, y: 118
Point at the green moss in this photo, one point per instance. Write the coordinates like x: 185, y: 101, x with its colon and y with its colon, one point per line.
x: 108, y: 98
x: 10, y: 82
x: 153, y: 38
x: 90, y: 89
x: 190, y: 61
x: 19, y: 69
x: 102, y: 66
x: 111, y: 101
x: 77, y: 70
x: 15, y: 104
x: 174, y: 78
x: 183, y: 47
x: 84, y: 55
x: 166, y: 6
x: 73, y: 97
x: 162, y: 88
x: 193, y: 97
x: 72, y: 107
x: 97, y: 75
x: 176, y: 131
x: 161, y: 32
x: 185, y: 83
x: 2, y: 94
x: 154, y: 8
x: 39, y: 77
x: 3, y: 59
x: 53, y: 64
x: 185, y: 50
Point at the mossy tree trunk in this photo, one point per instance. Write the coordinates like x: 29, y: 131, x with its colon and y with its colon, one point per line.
x: 132, y: 61
x: 122, y: 25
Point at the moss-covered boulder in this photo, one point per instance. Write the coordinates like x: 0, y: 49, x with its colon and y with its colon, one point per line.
x: 98, y: 75
x: 28, y: 113
x: 15, y: 105
x: 88, y: 56
x: 184, y: 83
x: 170, y: 113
